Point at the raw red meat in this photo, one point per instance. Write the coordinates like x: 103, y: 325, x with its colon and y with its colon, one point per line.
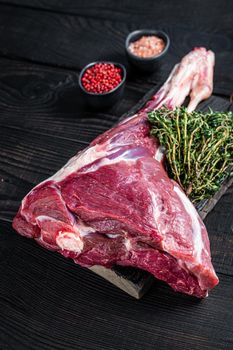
x: 113, y: 203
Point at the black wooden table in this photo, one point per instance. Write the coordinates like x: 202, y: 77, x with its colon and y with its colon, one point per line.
x: 46, y: 301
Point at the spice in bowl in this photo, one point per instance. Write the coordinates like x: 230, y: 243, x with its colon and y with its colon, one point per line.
x: 147, y: 46
x: 101, y: 78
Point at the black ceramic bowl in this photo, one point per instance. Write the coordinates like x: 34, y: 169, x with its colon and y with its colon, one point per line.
x: 107, y: 99
x: 150, y: 63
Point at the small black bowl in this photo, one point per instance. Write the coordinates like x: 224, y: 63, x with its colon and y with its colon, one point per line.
x: 107, y: 99
x: 149, y: 63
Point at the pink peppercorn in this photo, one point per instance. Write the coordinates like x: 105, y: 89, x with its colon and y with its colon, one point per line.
x: 101, y: 78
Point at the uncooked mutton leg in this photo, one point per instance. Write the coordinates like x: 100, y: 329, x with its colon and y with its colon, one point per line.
x: 202, y: 86
x: 192, y: 76
x: 113, y: 202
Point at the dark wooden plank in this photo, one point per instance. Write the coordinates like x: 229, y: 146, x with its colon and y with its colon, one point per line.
x: 43, y: 123
x: 219, y: 224
x: 195, y: 13
x: 72, y: 41
x: 47, y: 302
x: 41, y: 103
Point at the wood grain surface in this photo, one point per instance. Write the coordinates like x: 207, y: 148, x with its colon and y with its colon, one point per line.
x: 72, y: 40
x: 46, y: 301
x: 209, y: 17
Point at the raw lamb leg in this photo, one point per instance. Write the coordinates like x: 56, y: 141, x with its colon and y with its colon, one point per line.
x: 193, y: 74
x: 202, y: 85
x: 113, y: 203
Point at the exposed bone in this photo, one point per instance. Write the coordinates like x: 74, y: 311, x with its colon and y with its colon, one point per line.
x: 192, y: 76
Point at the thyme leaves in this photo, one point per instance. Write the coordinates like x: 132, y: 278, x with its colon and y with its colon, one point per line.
x: 199, y: 147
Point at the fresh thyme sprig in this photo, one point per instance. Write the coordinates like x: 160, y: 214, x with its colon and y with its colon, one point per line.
x: 199, y: 147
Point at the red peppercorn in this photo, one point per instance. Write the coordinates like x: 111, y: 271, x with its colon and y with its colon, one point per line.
x: 101, y: 78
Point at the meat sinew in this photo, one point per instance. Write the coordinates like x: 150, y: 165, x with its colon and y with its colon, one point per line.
x: 113, y: 203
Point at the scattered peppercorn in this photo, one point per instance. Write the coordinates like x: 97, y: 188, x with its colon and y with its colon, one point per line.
x: 101, y: 78
x: 147, y: 46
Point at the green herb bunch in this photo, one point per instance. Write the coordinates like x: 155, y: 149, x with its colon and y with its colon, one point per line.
x: 199, y: 147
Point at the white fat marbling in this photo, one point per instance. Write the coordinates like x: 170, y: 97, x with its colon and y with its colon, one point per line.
x: 125, y: 156
x: 128, y: 245
x: 90, y: 155
x: 80, y: 160
x: 196, y: 227
x: 159, y: 154
x: 83, y: 229
x: 42, y: 218
x: 112, y: 235
x: 154, y: 206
